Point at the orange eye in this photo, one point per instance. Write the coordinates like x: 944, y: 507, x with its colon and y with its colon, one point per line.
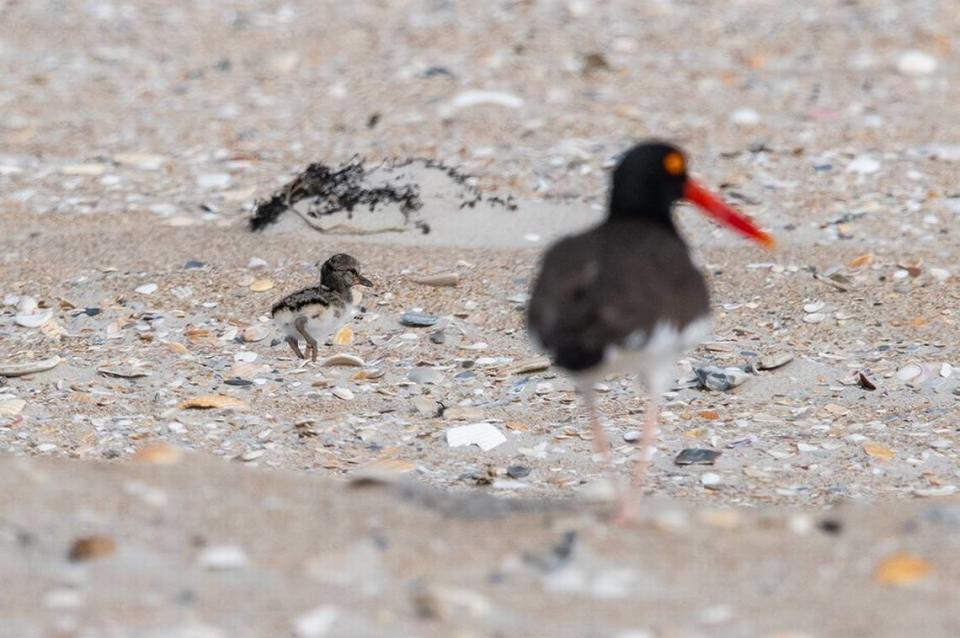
x: 674, y: 164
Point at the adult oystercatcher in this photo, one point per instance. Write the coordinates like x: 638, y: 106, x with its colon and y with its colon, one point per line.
x: 320, y: 310
x: 624, y: 296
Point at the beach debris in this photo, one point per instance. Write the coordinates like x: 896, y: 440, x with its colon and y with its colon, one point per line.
x: 475, y: 97
x: 159, y: 453
x: 315, y: 623
x: 91, y: 548
x: 483, y: 435
x: 937, y: 491
x: 696, y: 456
x: 720, y: 379
x: 212, y: 401
x: 418, y: 319
x: 261, y: 285
x: 425, y: 375
x: 131, y: 370
x: 865, y: 382
x: 440, y: 279
x: 912, y: 373
x: 146, y: 289
x: 8, y: 369
x: 527, y: 366
x: 142, y: 161
x: 34, y: 319
x: 879, y: 451
x: 518, y: 471
x: 902, y: 569
x: 345, y: 394
x: 774, y: 360
x: 10, y: 408
x: 223, y: 558
x: 253, y: 334
x: 343, y: 336
x: 710, y: 480
x: 863, y: 165
x: 916, y: 63
x: 342, y: 359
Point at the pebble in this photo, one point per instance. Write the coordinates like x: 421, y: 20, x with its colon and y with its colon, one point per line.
x: 223, y: 557
x: 315, y: 623
x: 257, y: 263
x: 696, y: 456
x: 418, y: 319
x: 246, y: 356
x: 425, y: 375
x: 916, y: 63
x: 720, y: 379
x: 814, y: 317
x: 631, y: 436
x: 146, y: 289
x: 253, y: 455
x: 518, y: 471
x: 815, y: 306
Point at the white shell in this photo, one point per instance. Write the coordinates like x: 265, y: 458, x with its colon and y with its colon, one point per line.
x: 483, y: 435
x: 34, y: 320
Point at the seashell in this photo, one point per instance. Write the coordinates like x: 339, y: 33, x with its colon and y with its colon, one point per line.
x: 34, y: 320
x: 30, y: 367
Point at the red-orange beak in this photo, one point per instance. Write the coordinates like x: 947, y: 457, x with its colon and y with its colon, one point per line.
x: 713, y: 206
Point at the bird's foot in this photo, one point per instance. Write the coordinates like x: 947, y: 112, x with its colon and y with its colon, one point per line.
x: 627, y: 513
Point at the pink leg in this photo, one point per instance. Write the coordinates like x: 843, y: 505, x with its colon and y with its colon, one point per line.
x: 647, y: 441
x: 601, y: 444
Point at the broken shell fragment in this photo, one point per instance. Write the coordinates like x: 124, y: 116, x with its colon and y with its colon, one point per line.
x: 438, y: 279
x: 29, y: 367
x: 34, y: 320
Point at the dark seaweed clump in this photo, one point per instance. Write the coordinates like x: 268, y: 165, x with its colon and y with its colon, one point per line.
x: 344, y: 188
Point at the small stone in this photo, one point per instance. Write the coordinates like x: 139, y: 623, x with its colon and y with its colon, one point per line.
x: 223, y: 557
x: 418, y: 319
x: 438, y: 336
x: 536, y: 364
x: 257, y: 263
x: 146, y: 289
x: 253, y: 455
x: 425, y: 406
x: 193, y: 264
x: 815, y: 306
x: 916, y: 63
x: 940, y: 274
x: 720, y: 379
x: 247, y: 356
x: 518, y: 471
x: 631, y: 436
x: 425, y: 375
x: 941, y: 444
x: 91, y: 548
x: 696, y: 456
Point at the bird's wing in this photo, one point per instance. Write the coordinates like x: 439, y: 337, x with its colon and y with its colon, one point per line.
x: 593, y: 293
x: 314, y: 295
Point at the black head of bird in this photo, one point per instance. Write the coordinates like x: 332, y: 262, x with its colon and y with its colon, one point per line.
x: 342, y: 269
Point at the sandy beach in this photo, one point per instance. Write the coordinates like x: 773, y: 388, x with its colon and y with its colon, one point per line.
x: 173, y: 471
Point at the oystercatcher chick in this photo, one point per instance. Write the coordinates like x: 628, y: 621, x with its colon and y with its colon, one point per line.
x: 624, y: 296
x: 319, y: 311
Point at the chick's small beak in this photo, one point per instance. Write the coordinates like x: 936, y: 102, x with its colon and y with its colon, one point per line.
x: 713, y: 206
x: 363, y: 281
